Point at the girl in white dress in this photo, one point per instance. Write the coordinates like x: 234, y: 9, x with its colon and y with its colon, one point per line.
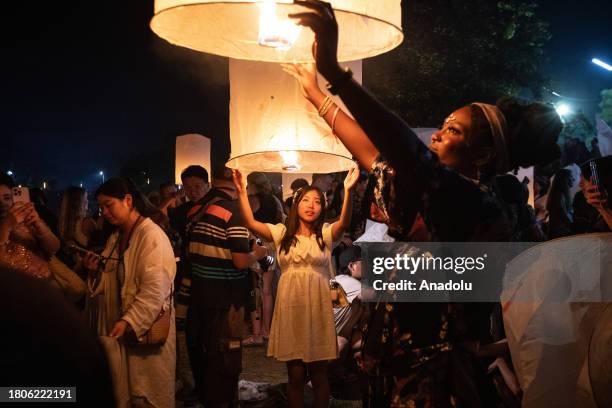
x: 303, y: 333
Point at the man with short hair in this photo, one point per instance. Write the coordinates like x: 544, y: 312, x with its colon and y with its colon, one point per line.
x: 195, y: 184
x: 219, y: 255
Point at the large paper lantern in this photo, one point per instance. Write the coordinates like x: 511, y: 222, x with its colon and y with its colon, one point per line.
x: 191, y: 149
x: 273, y: 128
x: 232, y: 28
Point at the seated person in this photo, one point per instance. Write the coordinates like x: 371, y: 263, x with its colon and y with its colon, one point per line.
x: 345, y: 379
x: 348, y: 310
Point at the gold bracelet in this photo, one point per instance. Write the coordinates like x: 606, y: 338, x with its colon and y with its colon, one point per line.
x: 327, y: 102
x: 334, y: 117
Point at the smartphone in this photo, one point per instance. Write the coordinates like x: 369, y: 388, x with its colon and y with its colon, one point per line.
x: 21, y: 195
x: 596, y: 182
x: 76, y: 248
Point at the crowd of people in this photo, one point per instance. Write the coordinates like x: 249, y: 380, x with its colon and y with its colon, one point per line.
x: 220, y: 256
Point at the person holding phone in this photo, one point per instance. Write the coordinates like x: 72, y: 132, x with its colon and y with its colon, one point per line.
x: 26, y: 242
x: 130, y: 286
x: 592, y: 211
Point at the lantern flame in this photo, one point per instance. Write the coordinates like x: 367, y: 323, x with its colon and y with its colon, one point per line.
x: 275, y: 33
x: 290, y: 160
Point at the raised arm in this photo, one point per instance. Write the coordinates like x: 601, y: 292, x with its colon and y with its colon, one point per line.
x: 386, y: 131
x: 258, y: 228
x: 348, y: 131
x: 344, y: 221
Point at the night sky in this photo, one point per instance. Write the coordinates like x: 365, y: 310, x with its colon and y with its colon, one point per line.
x: 87, y: 85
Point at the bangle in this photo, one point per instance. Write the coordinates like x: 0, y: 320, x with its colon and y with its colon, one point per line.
x: 340, y: 82
x: 325, y: 106
x: 333, y: 122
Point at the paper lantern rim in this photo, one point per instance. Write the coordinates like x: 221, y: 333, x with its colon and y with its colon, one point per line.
x: 396, y: 40
x: 343, y: 163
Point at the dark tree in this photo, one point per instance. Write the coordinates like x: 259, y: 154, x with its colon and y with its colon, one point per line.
x: 459, y: 51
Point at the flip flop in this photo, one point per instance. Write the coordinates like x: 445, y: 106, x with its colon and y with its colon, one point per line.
x: 251, y: 342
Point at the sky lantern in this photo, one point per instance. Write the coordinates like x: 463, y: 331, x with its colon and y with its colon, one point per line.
x: 191, y: 149
x: 272, y: 126
x: 261, y: 30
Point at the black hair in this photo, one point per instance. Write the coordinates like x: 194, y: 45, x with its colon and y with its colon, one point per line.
x: 560, y: 190
x: 299, y: 183
x: 119, y: 187
x: 293, y: 222
x: 6, y: 180
x: 171, y: 183
x: 221, y: 172
x: 195, y: 171
x: 533, y: 130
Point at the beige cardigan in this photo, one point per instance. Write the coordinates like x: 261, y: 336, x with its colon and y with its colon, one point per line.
x: 149, y: 274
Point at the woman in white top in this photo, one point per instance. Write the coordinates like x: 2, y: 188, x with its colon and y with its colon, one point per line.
x: 303, y: 333
x: 130, y: 284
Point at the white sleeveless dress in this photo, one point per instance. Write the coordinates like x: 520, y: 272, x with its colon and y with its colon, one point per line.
x: 303, y: 322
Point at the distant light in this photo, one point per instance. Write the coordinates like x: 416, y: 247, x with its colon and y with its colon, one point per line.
x: 563, y: 109
x: 10, y: 173
x: 602, y: 64
x: 81, y: 185
x: 556, y: 94
x: 101, y: 173
x: 44, y: 185
x: 148, y: 181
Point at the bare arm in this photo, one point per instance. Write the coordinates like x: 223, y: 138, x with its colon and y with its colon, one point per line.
x: 46, y: 239
x: 385, y: 130
x: 258, y: 228
x: 344, y: 221
x: 348, y: 131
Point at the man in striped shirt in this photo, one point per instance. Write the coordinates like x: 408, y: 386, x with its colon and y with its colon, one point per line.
x: 219, y: 255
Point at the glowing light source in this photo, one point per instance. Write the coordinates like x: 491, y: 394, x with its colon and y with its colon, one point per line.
x: 602, y: 64
x: 273, y: 32
x: 10, y: 173
x: 563, y: 109
x: 290, y: 160
x: 273, y: 128
x: 231, y: 28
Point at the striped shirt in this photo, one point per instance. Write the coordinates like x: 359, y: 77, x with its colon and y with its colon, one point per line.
x: 219, y: 232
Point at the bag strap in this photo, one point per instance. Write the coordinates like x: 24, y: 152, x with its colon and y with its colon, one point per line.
x: 199, y: 214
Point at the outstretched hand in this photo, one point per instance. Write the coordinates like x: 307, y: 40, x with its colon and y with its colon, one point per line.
x: 306, y: 75
x: 351, y: 178
x: 322, y: 20
x: 239, y: 181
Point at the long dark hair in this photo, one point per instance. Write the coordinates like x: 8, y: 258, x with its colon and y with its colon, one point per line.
x: 293, y: 220
x: 119, y: 187
x: 560, y: 190
x: 70, y: 212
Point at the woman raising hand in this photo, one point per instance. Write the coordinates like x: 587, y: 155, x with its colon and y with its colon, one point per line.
x: 303, y: 333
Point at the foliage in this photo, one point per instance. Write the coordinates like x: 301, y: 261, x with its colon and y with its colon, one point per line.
x: 579, y: 127
x: 606, y: 106
x: 459, y: 51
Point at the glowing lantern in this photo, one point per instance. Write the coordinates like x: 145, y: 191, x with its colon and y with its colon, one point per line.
x: 273, y: 128
x: 191, y: 149
x: 261, y: 30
